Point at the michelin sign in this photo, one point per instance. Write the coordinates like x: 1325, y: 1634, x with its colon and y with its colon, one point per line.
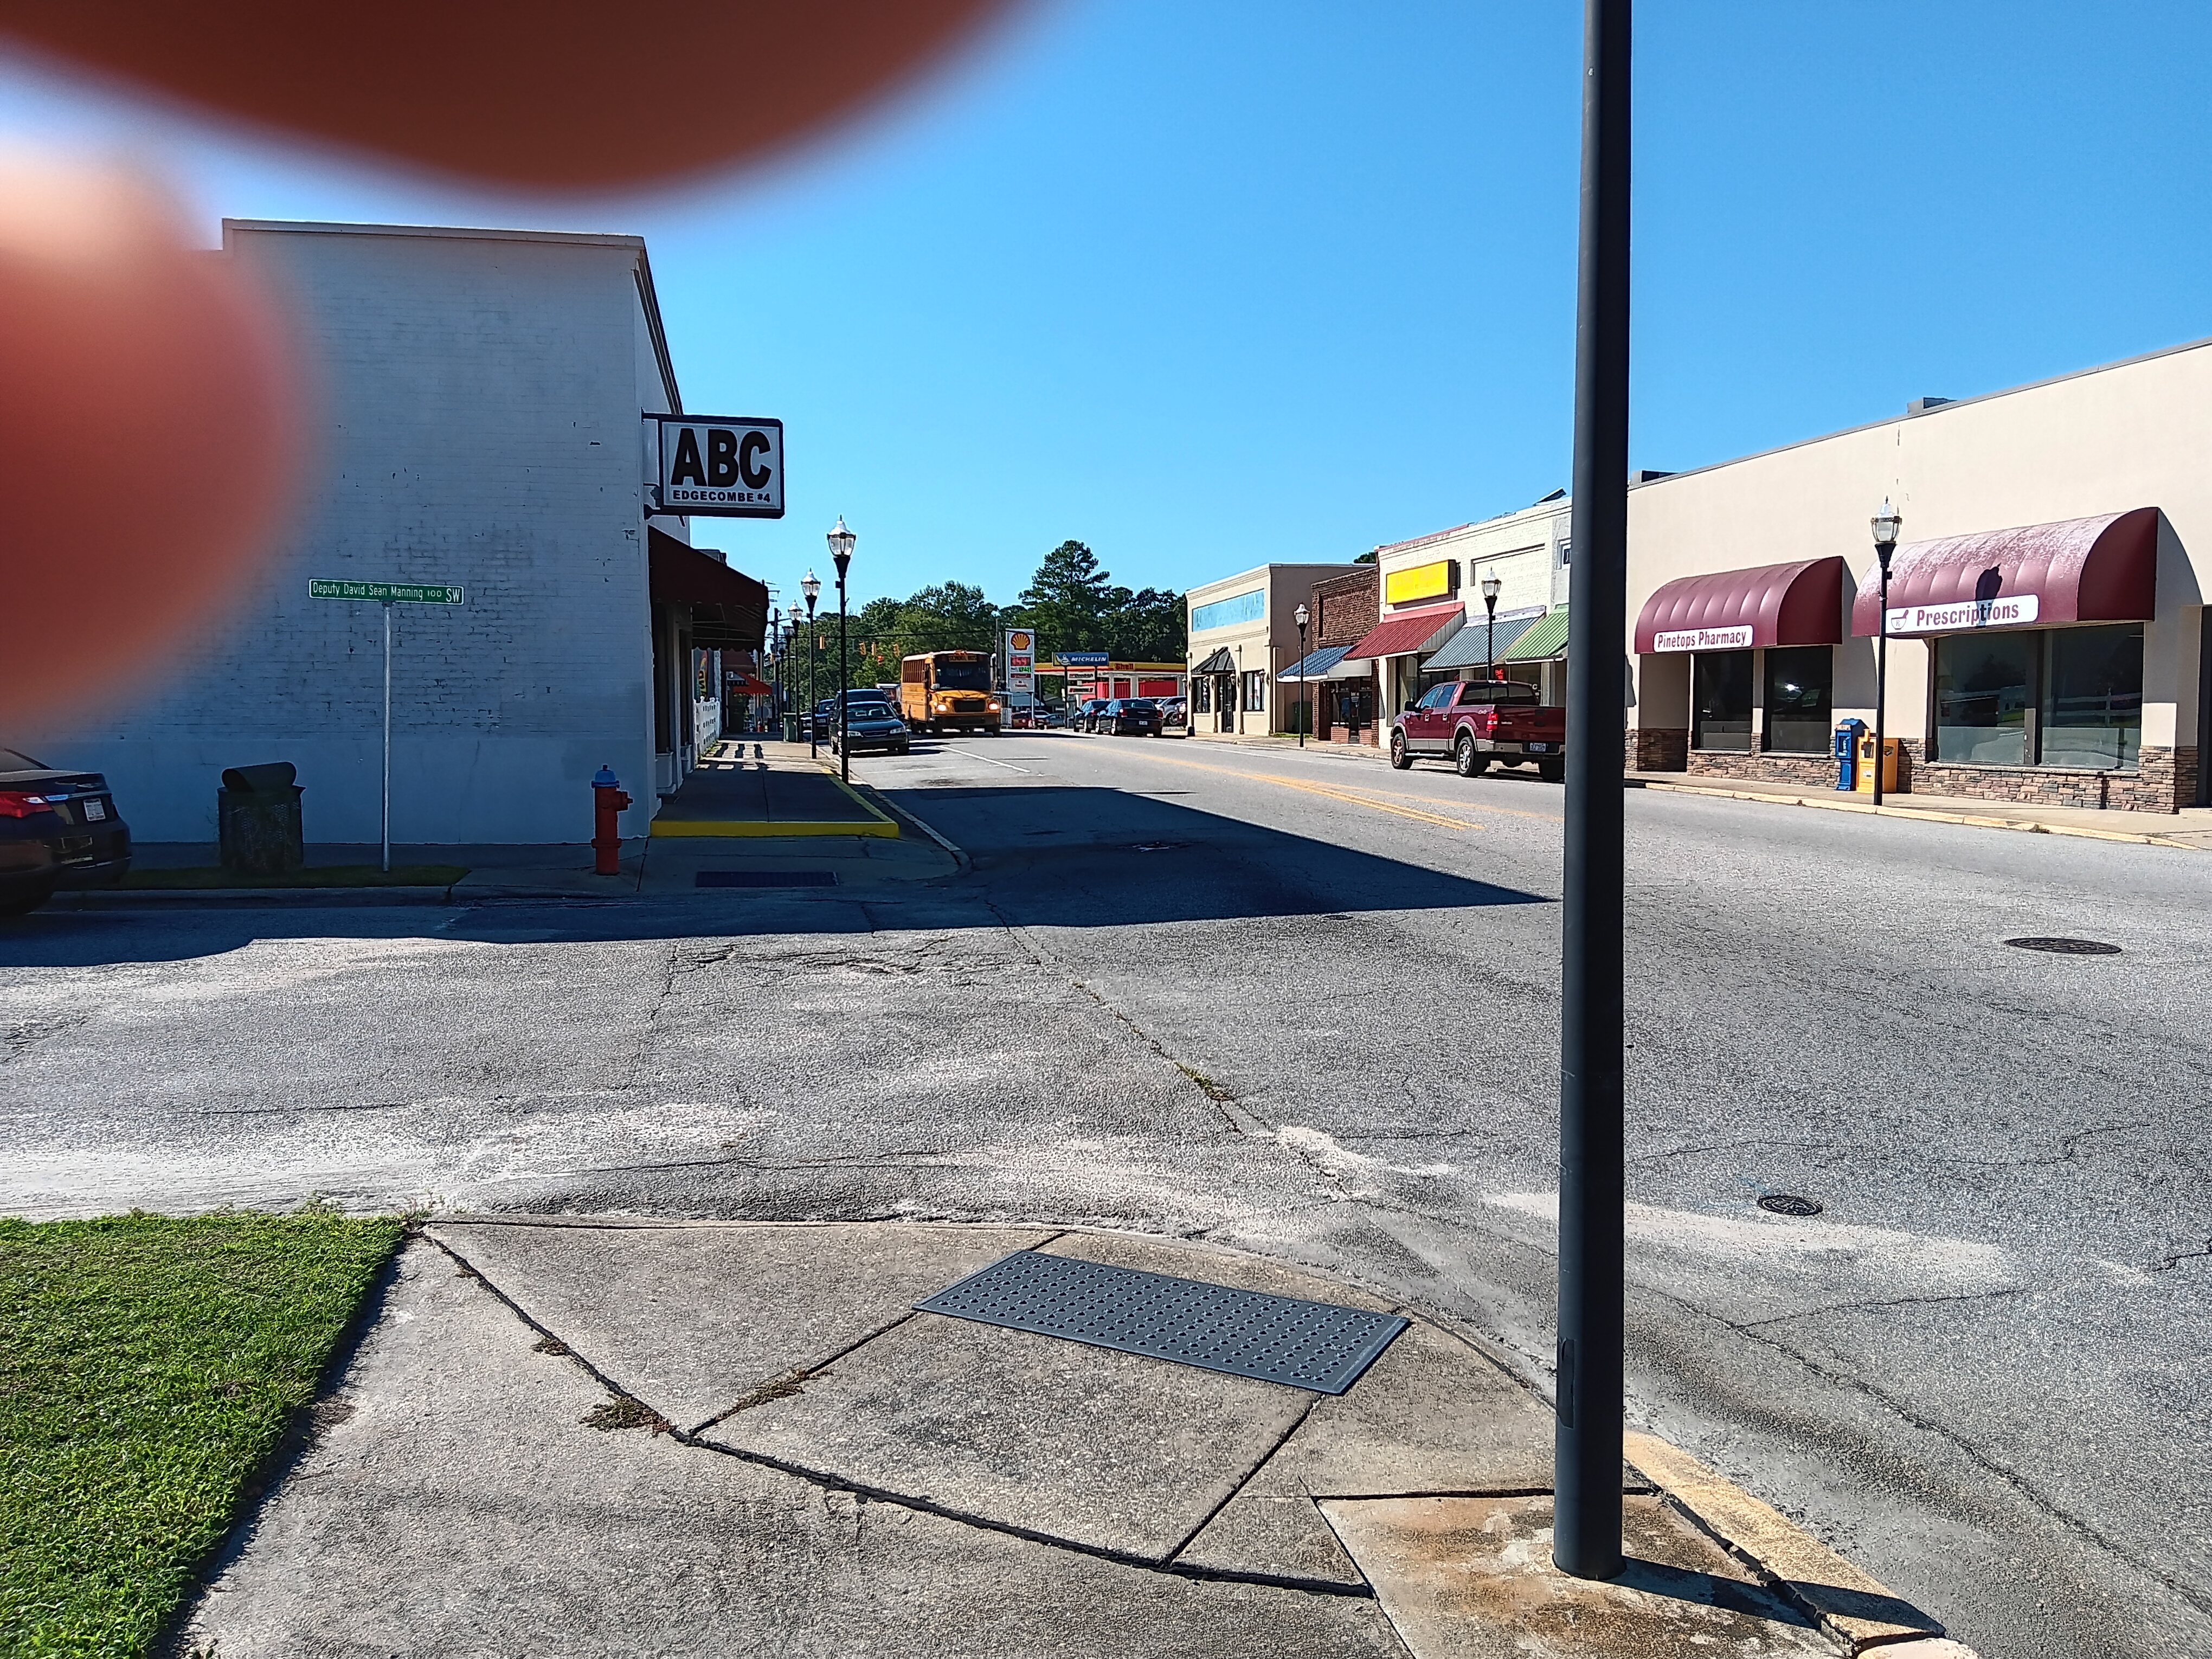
x: 718, y: 466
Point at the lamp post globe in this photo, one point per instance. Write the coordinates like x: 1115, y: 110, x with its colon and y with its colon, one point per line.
x: 1305, y: 714
x: 1887, y: 523
x: 841, y: 552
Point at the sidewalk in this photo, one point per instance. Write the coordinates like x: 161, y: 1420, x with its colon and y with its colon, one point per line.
x: 2191, y: 828
x: 612, y: 1437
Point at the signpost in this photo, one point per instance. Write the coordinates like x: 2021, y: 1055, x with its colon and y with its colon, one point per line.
x: 386, y: 594
x: 1021, y: 670
x: 721, y: 466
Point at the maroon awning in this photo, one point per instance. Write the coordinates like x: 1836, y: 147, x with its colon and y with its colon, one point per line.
x: 1799, y: 604
x: 729, y: 609
x: 2078, y: 570
x: 1406, y: 632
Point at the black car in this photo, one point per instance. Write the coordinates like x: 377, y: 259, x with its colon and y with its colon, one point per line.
x: 873, y: 725
x: 1085, y: 717
x: 58, y: 829
x: 1132, y: 717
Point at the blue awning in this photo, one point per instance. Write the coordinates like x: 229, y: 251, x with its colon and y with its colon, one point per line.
x: 1316, y: 666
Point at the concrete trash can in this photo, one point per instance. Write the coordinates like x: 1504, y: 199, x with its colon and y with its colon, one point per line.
x: 791, y: 728
x: 258, y: 822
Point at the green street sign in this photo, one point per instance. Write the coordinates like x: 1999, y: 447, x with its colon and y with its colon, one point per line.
x: 385, y: 592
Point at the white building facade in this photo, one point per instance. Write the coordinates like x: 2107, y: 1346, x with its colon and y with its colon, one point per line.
x: 481, y: 395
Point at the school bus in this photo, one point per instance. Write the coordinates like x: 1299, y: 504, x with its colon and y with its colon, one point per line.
x: 948, y: 691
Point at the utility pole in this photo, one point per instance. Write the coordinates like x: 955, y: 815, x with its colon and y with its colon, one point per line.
x: 1586, y: 1472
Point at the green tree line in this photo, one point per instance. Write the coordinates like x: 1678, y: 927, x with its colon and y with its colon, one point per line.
x: 1070, y: 604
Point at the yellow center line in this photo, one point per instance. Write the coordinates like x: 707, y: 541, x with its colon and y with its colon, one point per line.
x: 1330, y: 791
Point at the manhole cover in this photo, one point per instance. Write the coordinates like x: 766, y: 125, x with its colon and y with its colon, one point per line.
x: 1156, y: 846
x: 767, y: 878
x: 1790, y: 1204
x: 1277, y: 1338
x: 2066, y: 947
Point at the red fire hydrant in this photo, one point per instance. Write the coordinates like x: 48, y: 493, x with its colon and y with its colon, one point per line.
x: 607, y: 803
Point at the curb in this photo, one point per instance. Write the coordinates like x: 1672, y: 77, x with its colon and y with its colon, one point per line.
x: 1929, y: 815
x: 106, y: 898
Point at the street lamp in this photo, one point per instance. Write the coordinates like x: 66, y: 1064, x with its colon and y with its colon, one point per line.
x: 813, y: 588
x: 841, y: 549
x: 1490, y: 588
x: 1306, y: 709
x: 1887, y: 523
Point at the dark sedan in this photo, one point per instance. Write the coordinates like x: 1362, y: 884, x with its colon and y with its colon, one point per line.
x: 1132, y: 717
x: 58, y: 829
x: 1085, y: 717
x: 872, y: 725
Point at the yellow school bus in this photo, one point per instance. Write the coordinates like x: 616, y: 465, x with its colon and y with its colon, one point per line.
x: 948, y: 691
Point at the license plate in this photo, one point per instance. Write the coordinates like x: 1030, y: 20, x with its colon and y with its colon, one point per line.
x: 95, y: 811
x: 1539, y: 748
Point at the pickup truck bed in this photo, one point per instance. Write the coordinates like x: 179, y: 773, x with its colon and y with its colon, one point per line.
x: 1475, y: 723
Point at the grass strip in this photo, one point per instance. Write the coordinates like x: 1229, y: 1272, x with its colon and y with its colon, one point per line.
x: 315, y: 875
x: 149, y: 1367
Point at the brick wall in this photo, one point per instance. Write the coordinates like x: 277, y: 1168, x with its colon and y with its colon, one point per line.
x: 1345, y: 608
x: 1807, y: 771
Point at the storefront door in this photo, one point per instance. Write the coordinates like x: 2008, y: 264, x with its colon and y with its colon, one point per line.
x: 1225, y: 702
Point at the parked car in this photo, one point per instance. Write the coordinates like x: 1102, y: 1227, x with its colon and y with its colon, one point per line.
x: 1174, y: 712
x: 58, y: 829
x: 1476, y: 722
x: 825, y: 712
x: 873, y: 725
x: 1137, y: 717
x: 1085, y: 718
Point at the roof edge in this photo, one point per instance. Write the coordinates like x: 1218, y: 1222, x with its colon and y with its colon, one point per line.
x: 462, y: 232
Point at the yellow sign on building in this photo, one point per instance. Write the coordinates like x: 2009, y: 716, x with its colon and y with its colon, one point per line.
x: 1421, y: 581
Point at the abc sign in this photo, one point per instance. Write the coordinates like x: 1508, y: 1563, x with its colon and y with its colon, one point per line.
x: 719, y: 466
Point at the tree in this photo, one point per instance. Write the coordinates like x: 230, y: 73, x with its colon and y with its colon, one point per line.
x: 1073, y: 605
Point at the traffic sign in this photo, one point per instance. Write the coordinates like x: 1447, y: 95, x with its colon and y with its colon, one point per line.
x: 385, y: 592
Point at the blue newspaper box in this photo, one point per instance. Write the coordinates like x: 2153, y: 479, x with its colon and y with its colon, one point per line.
x: 1848, y: 734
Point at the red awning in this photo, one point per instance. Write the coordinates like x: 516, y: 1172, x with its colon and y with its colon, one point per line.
x: 752, y: 685
x: 1800, y: 604
x: 729, y: 609
x: 2078, y: 570
x: 1406, y: 632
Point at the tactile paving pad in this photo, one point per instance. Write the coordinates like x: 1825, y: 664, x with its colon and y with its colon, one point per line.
x: 1277, y: 1339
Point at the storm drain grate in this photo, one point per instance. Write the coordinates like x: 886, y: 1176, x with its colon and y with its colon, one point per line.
x: 2066, y: 947
x: 767, y: 878
x: 1276, y: 1339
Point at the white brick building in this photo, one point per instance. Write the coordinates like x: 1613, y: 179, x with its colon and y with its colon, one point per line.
x: 481, y: 393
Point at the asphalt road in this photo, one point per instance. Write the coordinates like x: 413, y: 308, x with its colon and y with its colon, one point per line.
x: 1307, y: 1005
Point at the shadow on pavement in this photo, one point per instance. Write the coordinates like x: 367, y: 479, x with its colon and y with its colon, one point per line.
x: 1044, y: 856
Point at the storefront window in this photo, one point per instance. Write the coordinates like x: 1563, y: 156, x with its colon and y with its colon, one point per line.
x: 1255, y: 692
x: 1201, y: 694
x: 1982, y: 697
x: 2092, y: 697
x: 1722, y: 703
x: 1800, y: 683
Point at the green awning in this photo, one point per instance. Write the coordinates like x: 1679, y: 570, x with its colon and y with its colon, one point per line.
x: 1541, y: 643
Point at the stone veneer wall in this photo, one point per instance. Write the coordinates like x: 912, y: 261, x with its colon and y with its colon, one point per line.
x: 1658, y: 749
x: 2163, y: 781
x: 1807, y: 771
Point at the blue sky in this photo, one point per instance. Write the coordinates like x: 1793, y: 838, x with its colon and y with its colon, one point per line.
x: 1204, y: 286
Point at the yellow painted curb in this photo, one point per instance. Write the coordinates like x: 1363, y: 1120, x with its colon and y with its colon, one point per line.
x: 1929, y: 815
x: 880, y: 827
x: 1847, y: 1599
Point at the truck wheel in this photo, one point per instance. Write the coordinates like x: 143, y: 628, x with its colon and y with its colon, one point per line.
x: 1399, y: 757
x: 1465, y: 757
x: 1552, y: 769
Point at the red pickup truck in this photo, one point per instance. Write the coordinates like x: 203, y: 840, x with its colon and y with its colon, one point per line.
x: 1477, y: 721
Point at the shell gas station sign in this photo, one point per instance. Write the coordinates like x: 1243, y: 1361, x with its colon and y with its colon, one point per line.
x: 1021, y: 663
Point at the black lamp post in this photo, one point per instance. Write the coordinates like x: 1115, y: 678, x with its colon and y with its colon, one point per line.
x: 1490, y: 586
x: 1887, y: 523
x: 841, y: 549
x: 1306, y: 709
x: 1586, y: 1511
x: 813, y: 588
